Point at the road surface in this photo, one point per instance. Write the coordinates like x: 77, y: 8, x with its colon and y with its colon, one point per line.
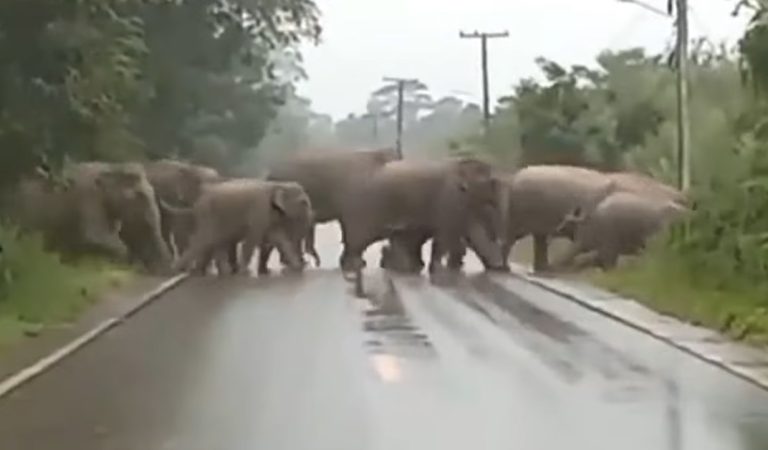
x: 287, y: 363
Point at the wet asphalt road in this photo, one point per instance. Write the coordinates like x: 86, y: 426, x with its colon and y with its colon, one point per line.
x: 486, y: 362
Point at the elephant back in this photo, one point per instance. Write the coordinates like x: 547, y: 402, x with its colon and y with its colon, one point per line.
x: 541, y: 196
x: 645, y: 185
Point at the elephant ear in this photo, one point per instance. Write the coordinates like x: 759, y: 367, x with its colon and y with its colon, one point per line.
x: 278, y: 199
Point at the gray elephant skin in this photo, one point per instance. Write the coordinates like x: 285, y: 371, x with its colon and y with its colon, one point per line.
x: 327, y: 177
x: 102, y: 208
x: 178, y: 183
x: 403, y: 251
x: 536, y: 199
x: 620, y: 224
x: 250, y: 211
x: 438, y: 197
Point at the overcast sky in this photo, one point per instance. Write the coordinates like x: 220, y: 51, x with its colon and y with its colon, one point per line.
x: 365, y: 40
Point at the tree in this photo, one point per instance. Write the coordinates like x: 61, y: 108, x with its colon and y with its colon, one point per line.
x: 218, y: 68
x: 416, y: 99
x: 69, y: 77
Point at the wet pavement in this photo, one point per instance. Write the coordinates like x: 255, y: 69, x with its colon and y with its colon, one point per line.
x: 286, y: 362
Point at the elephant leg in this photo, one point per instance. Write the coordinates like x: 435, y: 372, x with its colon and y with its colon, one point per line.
x: 226, y: 258
x: 540, y: 250
x: 220, y: 263
x: 264, y: 252
x: 309, y: 246
x: 232, y: 255
x: 204, y: 261
x: 566, y: 261
x: 181, y: 237
x: 355, y: 244
x: 290, y: 253
x: 200, y: 252
x: 398, y: 258
x: 456, y: 257
x: 607, y: 257
x: 442, y: 245
x: 166, y: 231
x: 403, y: 253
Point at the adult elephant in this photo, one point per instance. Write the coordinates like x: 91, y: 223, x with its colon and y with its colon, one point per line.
x: 403, y: 252
x: 105, y: 208
x: 537, y: 198
x: 327, y: 177
x: 620, y: 224
x: 435, y: 196
x: 644, y: 185
x: 246, y: 210
x: 178, y: 183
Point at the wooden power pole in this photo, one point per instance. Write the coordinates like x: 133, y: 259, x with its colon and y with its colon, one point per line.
x: 484, y: 62
x: 681, y: 58
x: 683, y: 124
x: 400, y: 92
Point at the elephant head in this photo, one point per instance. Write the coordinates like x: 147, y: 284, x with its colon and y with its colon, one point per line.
x: 179, y: 182
x: 295, y: 220
x: 475, y: 179
x: 130, y: 198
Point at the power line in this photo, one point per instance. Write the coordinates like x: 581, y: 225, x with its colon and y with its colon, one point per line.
x: 484, y: 36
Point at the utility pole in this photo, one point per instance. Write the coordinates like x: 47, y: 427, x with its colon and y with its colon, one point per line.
x: 484, y: 62
x: 400, y: 91
x: 683, y: 125
x: 681, y: 58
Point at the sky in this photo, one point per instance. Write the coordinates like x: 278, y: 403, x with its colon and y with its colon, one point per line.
x: 365, y: 40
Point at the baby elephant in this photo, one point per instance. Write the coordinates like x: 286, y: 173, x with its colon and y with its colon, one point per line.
x: 251, y: 211
x: 619, y: 225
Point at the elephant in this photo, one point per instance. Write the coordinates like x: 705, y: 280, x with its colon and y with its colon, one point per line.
x: 327, y: 177
x: 300, y: 231
x: 403, y: 252
x: 178, y: 183
x: 535, y: 199
x: 645, y: 185
x: 105, y: 208
x: 245, y: 210
x: 619, y: 225
x: 438, y: 197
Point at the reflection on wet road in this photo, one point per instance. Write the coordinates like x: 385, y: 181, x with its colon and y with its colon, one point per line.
x: 486, y: 362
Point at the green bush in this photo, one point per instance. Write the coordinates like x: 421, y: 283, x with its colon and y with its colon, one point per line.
x: 37, y: 289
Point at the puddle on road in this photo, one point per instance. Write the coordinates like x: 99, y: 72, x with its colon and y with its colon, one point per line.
x: 391, y: 337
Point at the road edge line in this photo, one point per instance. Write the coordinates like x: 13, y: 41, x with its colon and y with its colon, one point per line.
x: 45, y: 363
x: 722, y: 365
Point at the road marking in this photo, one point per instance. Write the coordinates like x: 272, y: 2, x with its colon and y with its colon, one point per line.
x: 23, y: 376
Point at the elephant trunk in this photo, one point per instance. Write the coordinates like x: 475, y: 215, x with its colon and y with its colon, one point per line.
x: 290, y: 253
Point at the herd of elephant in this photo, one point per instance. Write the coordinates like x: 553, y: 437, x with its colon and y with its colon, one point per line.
x: 174, y: 216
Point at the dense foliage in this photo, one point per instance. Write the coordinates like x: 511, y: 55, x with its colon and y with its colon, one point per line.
x: 127, y: 79
x: 621, y: 114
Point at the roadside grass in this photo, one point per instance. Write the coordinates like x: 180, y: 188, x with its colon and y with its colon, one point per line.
x: 38, y: 290
x: 669, y: 284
